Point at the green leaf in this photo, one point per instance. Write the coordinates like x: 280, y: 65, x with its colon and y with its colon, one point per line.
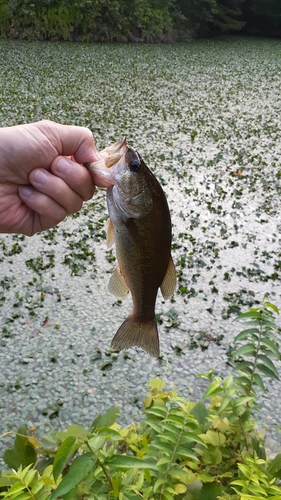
x: 200, y: 412
x: 73, y: 430
x: 168, y: 496
x: 178, y: 421
x: 213, y: 389
x: 215, y: 438
x: 70, y: 495
x: 267, y: 371
x: 107, y: 419
x: 272, y: 346
x: 156, y: 426
x: 191, y: 437
x: 257, y: 489
x: 170, y: 428
x: 246, y: 470
x: 244, y: 366
x: 157, y: 383
x: 167, y: 438
x: 163, y: 460
x: 205, y: 478
x: 62, y: 455
x: 242, y: 400
x: 274, y: 467
x: 245, y: 350
x: 30, y: 476
x: 243, y: 381
x: 164, y: 447
x: 258, y: 381
x: 252, y: 314
x: 22, y: 496
x: 272, y: 306
x: 245, y: 334
x: 184, y: 476
x: 109, y: 433
x: 267, y: 362
x: 5, y: 481
x: 77, y: 471
x: 269, y: 323
x: 210, y: 491
x: 23, y: 452
x: 129, y: 462
x: 16, y: 488
x: 158, y: 411
x: 158, y: 483
x: 224, y: 404
x: 186, y: 453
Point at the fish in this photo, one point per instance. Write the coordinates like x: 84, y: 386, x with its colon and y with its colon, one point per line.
x: 140, y: 226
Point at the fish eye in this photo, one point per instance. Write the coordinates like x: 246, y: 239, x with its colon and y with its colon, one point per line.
x: 135, y: 165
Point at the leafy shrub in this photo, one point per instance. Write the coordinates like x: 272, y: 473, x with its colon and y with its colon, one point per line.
x: 117, y: 20
x: 182, y: 450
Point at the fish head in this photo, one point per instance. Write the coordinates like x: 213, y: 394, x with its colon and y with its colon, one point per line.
x: 130, y: 195
x: 129, y: 191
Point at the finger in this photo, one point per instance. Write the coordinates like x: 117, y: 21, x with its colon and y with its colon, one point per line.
x: 50, y: 212
x: 75, y: 175
x: 71, y: 140
x: 100, y: 181
x: 56, y: 189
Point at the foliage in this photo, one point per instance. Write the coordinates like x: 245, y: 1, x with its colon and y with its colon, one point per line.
x: 136, y: 20
x: 227, y: 16
x: 182, y: 450
x: 197, y: 16
x: 87, y: 20
x: 263, y: 17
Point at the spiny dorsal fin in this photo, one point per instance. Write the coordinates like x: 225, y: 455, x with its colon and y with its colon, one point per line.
x: 169, y: 282
x: 133, y: 333
x: 117, y: 285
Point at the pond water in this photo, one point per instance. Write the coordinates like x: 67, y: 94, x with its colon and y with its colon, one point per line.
x: 205, y: 116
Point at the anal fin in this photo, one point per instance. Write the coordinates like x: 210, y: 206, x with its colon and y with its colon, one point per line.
x: 169, y: 282
x: 117, y: 285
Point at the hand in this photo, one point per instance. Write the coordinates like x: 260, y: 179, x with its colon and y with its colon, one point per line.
x: 41, y: 176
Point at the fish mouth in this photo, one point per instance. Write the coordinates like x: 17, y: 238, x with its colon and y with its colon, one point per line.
x: 110, y: 157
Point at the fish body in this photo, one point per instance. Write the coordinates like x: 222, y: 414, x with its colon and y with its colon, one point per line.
x: 140, y: 226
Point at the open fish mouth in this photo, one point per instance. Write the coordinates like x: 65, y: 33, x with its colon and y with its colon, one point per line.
x: 110, y: 156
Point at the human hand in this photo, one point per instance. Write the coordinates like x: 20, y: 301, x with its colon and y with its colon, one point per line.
x: 41, y: 176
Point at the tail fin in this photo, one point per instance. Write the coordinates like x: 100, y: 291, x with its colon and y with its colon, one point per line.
x: 134, y: 333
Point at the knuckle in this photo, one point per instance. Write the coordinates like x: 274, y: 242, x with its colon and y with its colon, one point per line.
x: 77, y: 206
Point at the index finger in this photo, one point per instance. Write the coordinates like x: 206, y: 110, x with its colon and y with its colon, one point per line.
x: 71, y: 140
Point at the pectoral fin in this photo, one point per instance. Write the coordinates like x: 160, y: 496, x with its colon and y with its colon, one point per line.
x: 109, y: 233
x: 117, y: 285
x: 169, y: 282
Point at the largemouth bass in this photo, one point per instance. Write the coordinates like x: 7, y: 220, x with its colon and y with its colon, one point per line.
x: 140, y: 226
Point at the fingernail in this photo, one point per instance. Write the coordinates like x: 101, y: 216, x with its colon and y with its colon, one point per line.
x: 62, y: 166
x: 40, y: 177
x: 25, y: 191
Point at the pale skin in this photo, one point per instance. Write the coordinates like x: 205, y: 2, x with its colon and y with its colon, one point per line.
x: 42, y: 177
